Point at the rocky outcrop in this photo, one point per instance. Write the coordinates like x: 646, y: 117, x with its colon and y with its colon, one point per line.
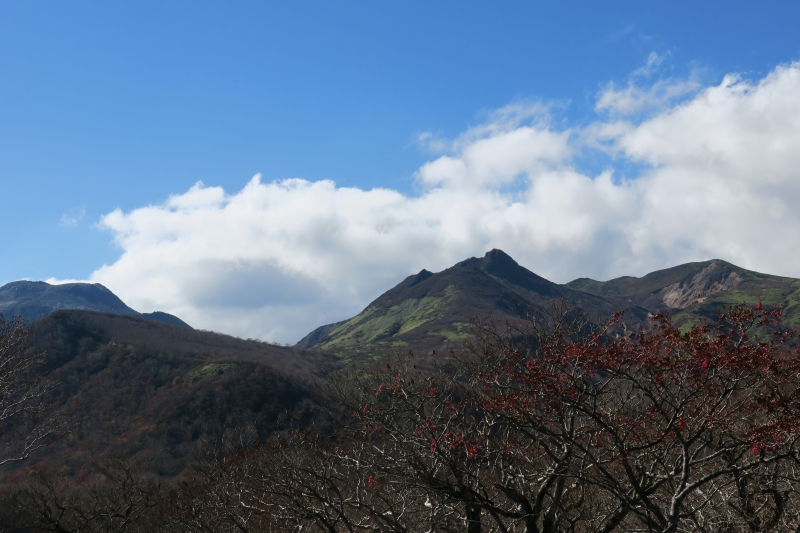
x: 708, y: 281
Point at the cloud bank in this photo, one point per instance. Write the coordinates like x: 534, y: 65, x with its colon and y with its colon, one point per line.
x: 718, y: 175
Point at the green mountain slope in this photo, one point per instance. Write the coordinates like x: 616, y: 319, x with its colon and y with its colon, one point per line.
x: 429, y: 311
x: 432, y: 311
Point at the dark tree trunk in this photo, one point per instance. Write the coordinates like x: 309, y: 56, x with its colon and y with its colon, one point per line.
x: 473, y: 518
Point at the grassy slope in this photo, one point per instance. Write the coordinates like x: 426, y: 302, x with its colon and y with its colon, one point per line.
x: 424, y: 311
x: 375, y: 324
x: 434, y: 311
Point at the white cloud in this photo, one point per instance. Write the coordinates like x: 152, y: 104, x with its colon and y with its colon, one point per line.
x: 654, y: 61
x: 726, y: 177
x: 71, y: 218
x: 56, y: 281
x: 277, y: 259
x: 635, y: 99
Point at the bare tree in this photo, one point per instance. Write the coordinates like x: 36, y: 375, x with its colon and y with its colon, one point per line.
x: 593, y: 428
x: 114, y: 500
x: 27, y: 421
x: 670, y: 430
x: 294, y: 482
x: 561, y: 426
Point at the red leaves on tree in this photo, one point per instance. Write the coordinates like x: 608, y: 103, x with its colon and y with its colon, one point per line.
x: 601, y: 406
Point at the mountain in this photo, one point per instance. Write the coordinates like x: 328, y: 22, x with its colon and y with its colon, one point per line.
x: 148, y: 390
x: 694, y: 291
x: 33, y: 300
x: 430, y: 310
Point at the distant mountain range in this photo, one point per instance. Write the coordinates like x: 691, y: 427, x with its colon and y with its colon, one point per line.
x: 433, y: 310
x: 33, y: 300
x: 146, y: 387
x: 430, y: 310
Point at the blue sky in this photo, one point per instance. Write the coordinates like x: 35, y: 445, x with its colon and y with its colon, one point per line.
x: 107, y: 106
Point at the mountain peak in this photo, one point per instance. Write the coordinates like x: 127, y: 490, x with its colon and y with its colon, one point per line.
x: 33, y: 300
x: 498, y: 255
x: 428, y: 308
x: 419, y: 278
x: 500, y: 265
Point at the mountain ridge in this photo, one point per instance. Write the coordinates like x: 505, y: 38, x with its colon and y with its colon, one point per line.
x: 33, y: 300
x: 443, y: 303
x: 428, y: 310
x: 701, y: 272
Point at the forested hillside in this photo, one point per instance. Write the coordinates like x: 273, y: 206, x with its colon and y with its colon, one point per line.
x: 147, y: 391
